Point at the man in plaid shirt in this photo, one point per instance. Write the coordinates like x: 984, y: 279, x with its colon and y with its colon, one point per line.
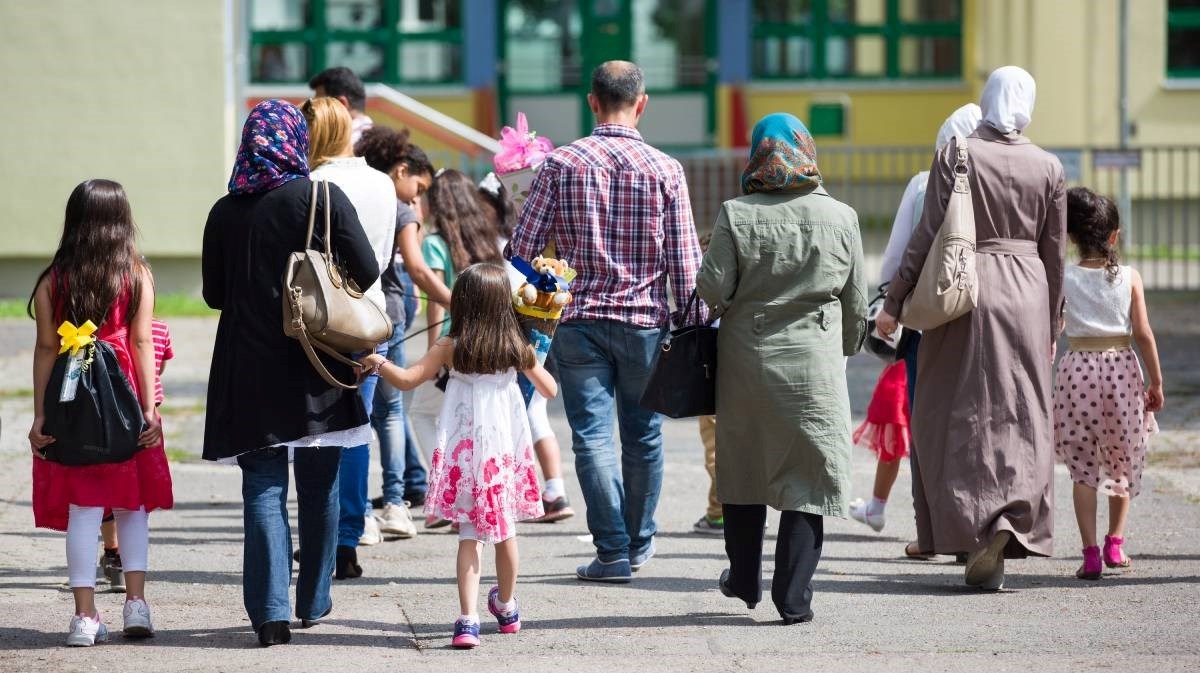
x: 618, y: 211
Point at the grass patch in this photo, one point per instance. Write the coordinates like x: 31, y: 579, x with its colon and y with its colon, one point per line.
x: 180, y: 456
x: 12, y: 308
x: 169, y: 305
x: 16, y: 393
x: 179, y: 305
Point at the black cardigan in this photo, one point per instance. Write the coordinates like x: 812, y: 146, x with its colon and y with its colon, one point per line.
x: 262, y: 390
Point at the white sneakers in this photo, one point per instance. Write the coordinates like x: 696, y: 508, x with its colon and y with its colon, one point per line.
x: 861, y: 512
x: 137, y: 619
x: 371, y: 534
x: 397, y: 520
x: 85, y: 631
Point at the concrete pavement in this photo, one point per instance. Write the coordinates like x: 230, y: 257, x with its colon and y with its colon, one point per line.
x: 874, y: 610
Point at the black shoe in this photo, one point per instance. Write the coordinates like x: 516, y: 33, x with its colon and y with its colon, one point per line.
x: 723, y: 585
x: 377, y: 502
x: 415, y: 500
x: 274, y: 633
x: 788, y: 621
x: 309, y: 623
x: 346, y: 566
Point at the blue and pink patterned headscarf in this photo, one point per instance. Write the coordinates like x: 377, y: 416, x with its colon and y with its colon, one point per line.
x: 783, y: 156
x: 273, y: 151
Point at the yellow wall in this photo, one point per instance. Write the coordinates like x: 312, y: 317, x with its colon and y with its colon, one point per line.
x: 132, y: 91
x: 1070, y: 47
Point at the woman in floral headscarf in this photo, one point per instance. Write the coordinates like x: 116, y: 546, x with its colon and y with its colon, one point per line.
x: 784, y: 273
x: 266, y: 403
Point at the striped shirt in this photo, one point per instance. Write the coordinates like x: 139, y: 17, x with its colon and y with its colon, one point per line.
x: 162, y: 353
x: 619, y: 214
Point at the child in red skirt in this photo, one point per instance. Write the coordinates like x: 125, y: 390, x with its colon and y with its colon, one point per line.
x: 98, y: 275
x: 1103, y: 412
x: 885, y: 433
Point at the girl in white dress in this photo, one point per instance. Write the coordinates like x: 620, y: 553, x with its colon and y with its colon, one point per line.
x: 484, y: 474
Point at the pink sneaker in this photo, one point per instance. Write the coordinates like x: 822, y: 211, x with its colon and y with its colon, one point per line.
x: 509, y: 622
x: 1114, y: 556
x: 1091, y: 569
x: 466, y: 635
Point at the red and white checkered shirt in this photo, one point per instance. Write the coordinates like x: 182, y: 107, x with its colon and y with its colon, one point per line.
x: 619, y: 214
x: 162, y: 353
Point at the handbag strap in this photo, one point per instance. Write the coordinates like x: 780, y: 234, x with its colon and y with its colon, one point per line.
x: 307, y: 344
x: 694, y: 300
x: 961, y: 153
x: 312, y: 214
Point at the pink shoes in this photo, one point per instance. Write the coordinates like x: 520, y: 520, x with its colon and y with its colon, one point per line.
x: 1114, y: 556
x: 1091, y: 569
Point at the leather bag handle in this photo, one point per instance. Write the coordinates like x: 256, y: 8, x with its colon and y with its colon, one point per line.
x: 302, y: 333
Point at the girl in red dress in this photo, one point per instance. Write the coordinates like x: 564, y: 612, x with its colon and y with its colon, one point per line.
x: 97, y: 275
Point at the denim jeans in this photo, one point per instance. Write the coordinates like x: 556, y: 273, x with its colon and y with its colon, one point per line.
x: 267, y: 556
x: 403, y: 474
x: 603, y: 366
x: 356, y: 463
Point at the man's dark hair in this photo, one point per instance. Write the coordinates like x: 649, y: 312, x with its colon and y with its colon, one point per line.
x: 617, y: 84
x: 341, y: 81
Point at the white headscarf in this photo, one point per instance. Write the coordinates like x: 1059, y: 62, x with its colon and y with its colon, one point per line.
x: 961, y: 122
x: 1007, y: 99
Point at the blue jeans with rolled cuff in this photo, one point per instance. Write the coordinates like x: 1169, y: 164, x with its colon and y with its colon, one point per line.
x: 267, y: 555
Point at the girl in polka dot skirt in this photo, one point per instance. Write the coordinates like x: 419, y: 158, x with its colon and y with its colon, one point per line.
x: 1103, y: 412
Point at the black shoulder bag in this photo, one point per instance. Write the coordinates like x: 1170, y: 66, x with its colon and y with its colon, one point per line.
x: 683, y: 380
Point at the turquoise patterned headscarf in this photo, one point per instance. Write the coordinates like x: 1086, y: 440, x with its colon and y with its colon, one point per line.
x: 783, y: 156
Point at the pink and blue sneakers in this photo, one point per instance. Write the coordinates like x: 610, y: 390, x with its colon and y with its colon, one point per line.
x: 509, y: 622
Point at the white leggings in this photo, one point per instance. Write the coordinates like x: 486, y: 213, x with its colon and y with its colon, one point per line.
x: 83, y: 532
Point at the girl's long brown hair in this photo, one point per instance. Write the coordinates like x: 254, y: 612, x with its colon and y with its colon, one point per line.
x: 96, y: 257
x: 454, y: 213
x: 484, y: 325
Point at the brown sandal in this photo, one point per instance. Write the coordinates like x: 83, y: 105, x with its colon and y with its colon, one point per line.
x: 911, y: 551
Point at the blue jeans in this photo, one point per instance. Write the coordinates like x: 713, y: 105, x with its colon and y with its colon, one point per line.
x: 403, y: 474
x: 604, y: 364
x: 267, y: 556
x: 356, y: 463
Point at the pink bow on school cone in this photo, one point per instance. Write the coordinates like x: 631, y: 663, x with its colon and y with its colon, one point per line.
x: 520, y: 148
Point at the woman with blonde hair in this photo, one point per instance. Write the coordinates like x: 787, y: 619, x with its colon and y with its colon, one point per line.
x: 331, y: 156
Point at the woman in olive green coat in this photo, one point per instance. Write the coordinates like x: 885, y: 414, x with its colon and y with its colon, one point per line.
x: 784, y: 274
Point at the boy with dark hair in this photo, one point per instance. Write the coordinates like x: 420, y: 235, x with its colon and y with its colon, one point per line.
x: 341, y: 83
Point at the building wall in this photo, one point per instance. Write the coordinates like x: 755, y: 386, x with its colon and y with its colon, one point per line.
x: 133, y: 91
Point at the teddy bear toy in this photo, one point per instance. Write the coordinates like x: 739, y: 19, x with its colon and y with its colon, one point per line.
x: 549, y: 291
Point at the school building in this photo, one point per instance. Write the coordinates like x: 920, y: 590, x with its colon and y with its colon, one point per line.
x: 153, y: 92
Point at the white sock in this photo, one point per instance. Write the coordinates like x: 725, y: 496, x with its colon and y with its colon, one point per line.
x: 469, y: 619
x: 876, y: 506
x: 508, y: 607
x: 554, y: 489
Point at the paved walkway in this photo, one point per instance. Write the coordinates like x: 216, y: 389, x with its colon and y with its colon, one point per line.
x: 874, y: 610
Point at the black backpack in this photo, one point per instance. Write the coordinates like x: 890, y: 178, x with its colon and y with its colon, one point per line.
x: 102, y: 422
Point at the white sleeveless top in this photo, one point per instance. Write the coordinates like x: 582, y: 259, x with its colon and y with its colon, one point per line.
x: 1097, y: 304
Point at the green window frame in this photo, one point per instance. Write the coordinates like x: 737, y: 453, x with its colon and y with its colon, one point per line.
x: 1183, y: 29
x: 821, y: 29
x: 316, y: 35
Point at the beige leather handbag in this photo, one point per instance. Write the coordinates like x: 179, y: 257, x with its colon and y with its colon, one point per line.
x: 948, y: 287
x: 323, y: 309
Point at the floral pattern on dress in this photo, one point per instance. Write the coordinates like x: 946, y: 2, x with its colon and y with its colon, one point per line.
x: 484, y: 470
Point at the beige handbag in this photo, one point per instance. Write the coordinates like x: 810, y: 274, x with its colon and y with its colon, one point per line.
x: 323, y: 309
x: 948, y: 286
